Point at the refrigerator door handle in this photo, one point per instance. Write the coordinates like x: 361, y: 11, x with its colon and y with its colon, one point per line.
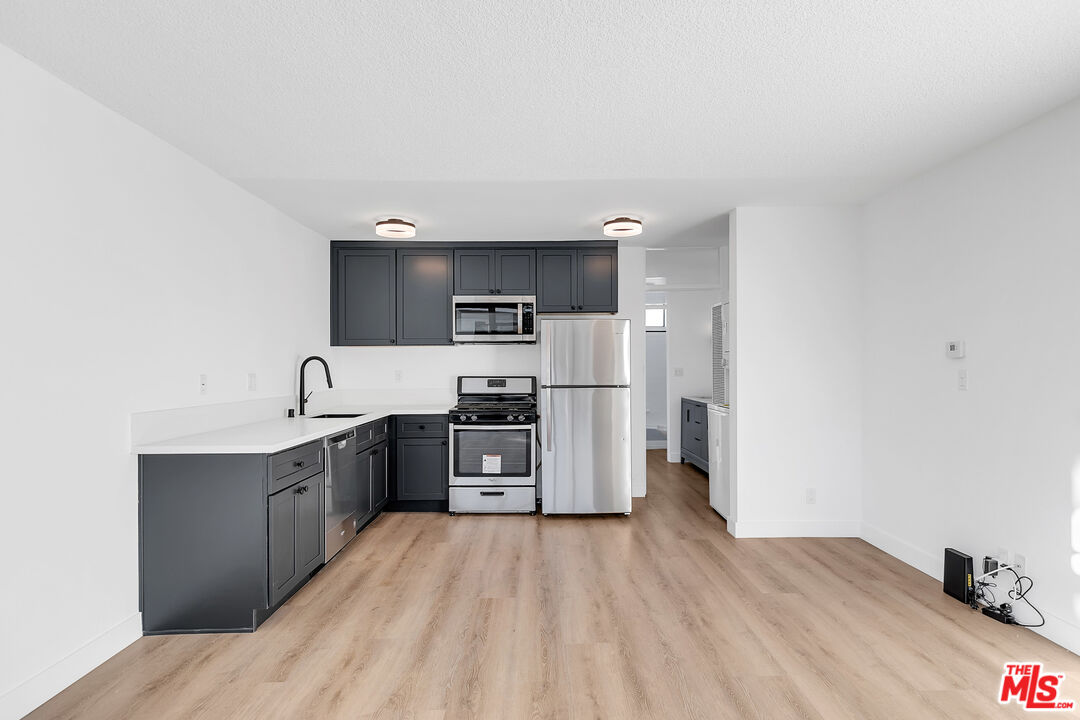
x: 547, y: 411
x: 546, y: 341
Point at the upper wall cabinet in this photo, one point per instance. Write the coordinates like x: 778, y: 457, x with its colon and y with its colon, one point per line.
x: 363, y: 303
x: 401, y: 294
x: 578, y: 280
x: 387, y: 296
x: 495, y: 271
x: 425, y: 288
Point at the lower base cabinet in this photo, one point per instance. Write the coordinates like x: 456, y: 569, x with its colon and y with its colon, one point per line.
x: 225, y: 539
x: 422, y: 471
x: 374, y: 481
x: 421, y: 463
x: 380, y: 476
x: 296, y: 535
x: 694, y: 433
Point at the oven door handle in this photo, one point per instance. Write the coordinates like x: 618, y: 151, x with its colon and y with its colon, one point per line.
x: 517, y: 426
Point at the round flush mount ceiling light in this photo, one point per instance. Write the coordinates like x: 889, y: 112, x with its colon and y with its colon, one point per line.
x: 395, y: 228
x: 622, y: 226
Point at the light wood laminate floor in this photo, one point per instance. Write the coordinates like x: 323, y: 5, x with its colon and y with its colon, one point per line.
x: 659, y: 615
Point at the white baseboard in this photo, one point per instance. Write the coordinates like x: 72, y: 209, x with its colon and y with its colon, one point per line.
x: 1057, y: 630
x: 900, y: 549
x: 795, y: 528
x: 23, y: 698
x: 1061, y: 632
x: 656, y: 444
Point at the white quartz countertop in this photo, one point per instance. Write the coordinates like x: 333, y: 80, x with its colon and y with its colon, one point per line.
x: 699, y: 398
x: 271, y: 436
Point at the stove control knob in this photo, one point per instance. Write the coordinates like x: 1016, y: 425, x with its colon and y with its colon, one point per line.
x: 510, y: 418
x: 521, y: 418
x: 462, y: 418
x: 473, y: 418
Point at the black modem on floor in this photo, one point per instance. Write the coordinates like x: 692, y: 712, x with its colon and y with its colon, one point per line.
x: 958, y: 579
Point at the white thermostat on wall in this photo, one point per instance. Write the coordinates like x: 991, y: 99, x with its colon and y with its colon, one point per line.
x: 955, y: 348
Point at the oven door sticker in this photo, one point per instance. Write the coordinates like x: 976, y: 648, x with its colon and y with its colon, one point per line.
x: 492, y: 464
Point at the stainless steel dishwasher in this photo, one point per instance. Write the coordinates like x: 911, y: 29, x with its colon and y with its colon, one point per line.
x: 341, y: 483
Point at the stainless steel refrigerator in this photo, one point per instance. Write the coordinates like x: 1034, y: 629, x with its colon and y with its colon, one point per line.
x: 585, y: 415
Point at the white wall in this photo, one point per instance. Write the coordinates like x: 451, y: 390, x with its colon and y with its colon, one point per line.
x: 690, y: 267
x: 129, y: 270
x: 436, y: 367
x: 985, y: 249
x: 796, y: 371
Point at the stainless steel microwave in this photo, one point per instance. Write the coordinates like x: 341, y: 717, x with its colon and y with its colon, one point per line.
x: 486, y: 319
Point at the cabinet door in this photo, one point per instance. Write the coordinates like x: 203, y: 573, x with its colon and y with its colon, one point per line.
x: 686, y: 427
x: 310, y: 537
x: 284, y: 569
x: 699, y: 416
x: 422, y: 471
x: 474, y: 272
x: 425, y: 287
x: 598, y: 280
x: 556, y: 280
x: 363, y: 298
x: 515, y: 272
x: 363, y: 496
x: 296, y: 535
x: 379, y: 479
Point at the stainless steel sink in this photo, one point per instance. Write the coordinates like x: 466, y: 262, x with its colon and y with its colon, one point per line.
x: 337, y: 415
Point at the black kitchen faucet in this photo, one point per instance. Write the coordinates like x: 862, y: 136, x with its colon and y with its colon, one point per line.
x: 303, y: 366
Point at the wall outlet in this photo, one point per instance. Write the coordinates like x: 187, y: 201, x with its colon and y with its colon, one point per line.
x: 398, y: 374
x: 962, y: 379
x: 678, y: 372
x: 202, y: 384
x: 1019, y: 564
x: 253, y: 382
x: 811, y: 496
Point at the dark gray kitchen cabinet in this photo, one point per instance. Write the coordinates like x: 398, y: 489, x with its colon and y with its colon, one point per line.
x: 578, y: 280
x: 380, y: 476
x: 515, y: 271
x: 694, y: 433
x: 295, y: 535
x: 556, y: 280
x: 395, y: 294
x: 364, y: 504
x: 363, y: 308
x: 474, y: 272
x: 421, y: 468
x: 495, y: 271
x: 598, y: 280
x: 425, y: 286
x: 224, y: 539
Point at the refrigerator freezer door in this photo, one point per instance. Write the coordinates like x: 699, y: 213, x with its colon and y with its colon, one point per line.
x: 719, y: 480
x: 584, y: 352
x: 585, y: 437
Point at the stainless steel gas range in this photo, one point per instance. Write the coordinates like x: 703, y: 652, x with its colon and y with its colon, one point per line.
x: 493, y: 446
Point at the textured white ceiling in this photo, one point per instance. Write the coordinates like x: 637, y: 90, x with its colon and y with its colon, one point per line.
x: 537, y: 115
